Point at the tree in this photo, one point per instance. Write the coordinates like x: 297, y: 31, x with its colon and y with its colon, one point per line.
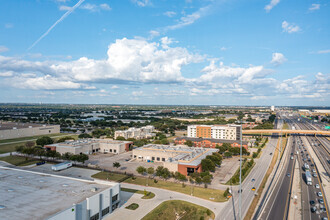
x: 29, y: 144
x: 208, y: 165
x: 84, y: 135
x: 228, y: 154
x: 198, y: 180
x: 150, y: 170
x: 164, y: 141
x: 120, y: 138
x: 82, y: 158
x: 63, y: 139
x: 207, y: 179
x: 116, y: 165
x: 19, y: 148
x: 67, y: 156
x: 189, y: 143
x: 141, y: 170
x: 44, y: 140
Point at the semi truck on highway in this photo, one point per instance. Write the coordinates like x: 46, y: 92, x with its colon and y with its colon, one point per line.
x: 308, y: 178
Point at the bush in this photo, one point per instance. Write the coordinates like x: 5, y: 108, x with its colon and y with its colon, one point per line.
x: 84, y: 135
x: 42, y: 141
x: 208, y: 212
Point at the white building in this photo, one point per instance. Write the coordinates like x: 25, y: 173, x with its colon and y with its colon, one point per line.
x: 272, y: 108
x: 136, y: 133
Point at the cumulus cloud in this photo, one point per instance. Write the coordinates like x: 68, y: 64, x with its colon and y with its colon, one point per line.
x: 114, y: 87
x: 3, y: 49
x: 271, y: 5
x: 290, y: 28
x: 314, y: 7
x: 323, y: 51
x: 95, y: 8
x: 278, y: 59
x: 142, y: 3
x: 6, y: 73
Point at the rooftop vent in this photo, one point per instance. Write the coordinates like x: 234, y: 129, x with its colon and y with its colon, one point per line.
x: 10, y: 190
x: 20, y: 177
x: 2, y: 207
x: 65, y: 185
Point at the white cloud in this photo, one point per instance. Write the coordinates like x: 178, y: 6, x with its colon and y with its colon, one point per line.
x: 323, y: 51
x: 260, y: 97
x: 105, y: 7
x: 3, y: 49
x: 290, y: 28
x: 271, y: 5
x: 170, y: 14
x: 114, y: 87
x: 137, y: 93
x: 89, y: 7
x: 278, y: 59
x: 223, y: 48
x: 7, y: 73
x: 314, y: 7
x: 142, y: 3
x: 65, y: 8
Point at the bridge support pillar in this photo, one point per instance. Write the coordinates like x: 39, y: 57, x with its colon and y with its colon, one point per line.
x: 286, y: 135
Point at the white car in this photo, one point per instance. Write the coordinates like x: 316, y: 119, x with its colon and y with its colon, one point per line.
x: 317, y: 186
x: 319, y: 194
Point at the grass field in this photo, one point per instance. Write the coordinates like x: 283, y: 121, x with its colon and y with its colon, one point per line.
x: 19, y: 161
x: 204, y: 193
x: 10, y: 144
x: 132, y: 206
x: 177, y: 209
x: 149, y: 195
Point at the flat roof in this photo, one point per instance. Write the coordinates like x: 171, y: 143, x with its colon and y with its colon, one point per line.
x: 32, y: 195
x: 11, y: 125
x: 81, y: 142
x: 214, y: 140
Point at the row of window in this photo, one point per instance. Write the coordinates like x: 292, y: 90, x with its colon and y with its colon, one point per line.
x: 106, y: 210
x: 153, y: 158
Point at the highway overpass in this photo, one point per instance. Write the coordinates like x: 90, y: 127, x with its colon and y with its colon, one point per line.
x: 277, y: 131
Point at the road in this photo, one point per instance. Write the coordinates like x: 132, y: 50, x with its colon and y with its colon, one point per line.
x: 277, y: 207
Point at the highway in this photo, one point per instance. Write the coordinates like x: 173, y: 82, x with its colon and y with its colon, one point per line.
x: 231, y: 210
x: 277, y: 206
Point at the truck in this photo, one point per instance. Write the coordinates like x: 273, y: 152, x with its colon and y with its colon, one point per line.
x: 61, y: 166
x: 306, y: 166
x: 308, y: 178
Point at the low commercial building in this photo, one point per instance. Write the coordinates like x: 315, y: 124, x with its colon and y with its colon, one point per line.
x: 89, y: 146
x: 11, y: 130
x: 34, y: 195
x: 183, y: 159
x: 210, y: 142
x: 137, y: 133
x: 226, y: 132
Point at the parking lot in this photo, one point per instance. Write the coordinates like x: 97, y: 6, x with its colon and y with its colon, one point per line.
x: 105, y: 161
x: 226, y: 171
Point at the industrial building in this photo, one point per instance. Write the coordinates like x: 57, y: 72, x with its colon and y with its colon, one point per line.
x: 11, y: 130
x: 90, y: 146
x: 137, y: 133
x: 34, y: 195
x: 183, y: 159
x: 209, y: 142
x: 226, y: 132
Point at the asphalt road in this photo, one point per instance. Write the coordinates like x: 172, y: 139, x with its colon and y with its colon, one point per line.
x: 277, y: 207
x: 231, y: 210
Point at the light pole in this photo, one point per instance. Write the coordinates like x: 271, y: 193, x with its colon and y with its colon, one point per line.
x: 240, y: 177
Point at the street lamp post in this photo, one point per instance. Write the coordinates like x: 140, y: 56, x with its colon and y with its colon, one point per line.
x: 240, y: 177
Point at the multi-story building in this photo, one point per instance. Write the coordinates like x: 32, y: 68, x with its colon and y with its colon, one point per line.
x: 136, y: 133
x: 209, y: 142
x: 226, y: 132
x: 89, y: 146
x: 183, y: 159
x: 11, y: 130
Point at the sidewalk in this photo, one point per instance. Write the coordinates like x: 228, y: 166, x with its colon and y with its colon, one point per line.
x: 295, y: 198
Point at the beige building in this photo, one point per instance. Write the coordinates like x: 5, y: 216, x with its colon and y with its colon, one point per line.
x: 89, y: 146
x: 11, y: 130
x: 181, y: 158
x: 225, y: 132
x: 136, y: 133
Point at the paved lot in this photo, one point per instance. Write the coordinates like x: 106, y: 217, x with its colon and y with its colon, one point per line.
x: 226, y: 171
x: 106, y: 161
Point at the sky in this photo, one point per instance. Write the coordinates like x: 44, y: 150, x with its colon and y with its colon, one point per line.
x: 177, y: 52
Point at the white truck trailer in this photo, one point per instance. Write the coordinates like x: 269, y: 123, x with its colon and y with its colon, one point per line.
x: 61, y: 166
x: 308, y: 178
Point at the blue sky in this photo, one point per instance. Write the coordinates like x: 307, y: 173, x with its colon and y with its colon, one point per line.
x: 209, y: 52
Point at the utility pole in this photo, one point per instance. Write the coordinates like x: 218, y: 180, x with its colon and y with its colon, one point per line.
x: 240, y: 177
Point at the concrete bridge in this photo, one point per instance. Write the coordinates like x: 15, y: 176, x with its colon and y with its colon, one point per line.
x: 286, y: 132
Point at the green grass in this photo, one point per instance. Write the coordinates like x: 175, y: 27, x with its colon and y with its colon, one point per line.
x: 244, y: 164
x: 285, y: 126
x: 177, y: 209
x: 10, y: 147
x: 19, y: 161
x: 132, y: 206
x: 214, y: 195
x: 149, y: 195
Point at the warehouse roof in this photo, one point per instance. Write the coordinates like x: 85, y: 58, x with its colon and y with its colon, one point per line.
x: 213, y: 140
x: 14, y: 125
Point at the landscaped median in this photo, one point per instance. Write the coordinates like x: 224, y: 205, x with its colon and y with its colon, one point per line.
x: 177, y: 209
x: 146, y: 194
x: 214, y: 195
x: 246, y: 169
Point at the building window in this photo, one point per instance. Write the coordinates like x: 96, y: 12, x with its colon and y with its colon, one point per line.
x: 105, y: 211
x: 158, y: 159
x: 134, y: 156
x: 114, y: 151
x: 163, y: 159
x: 111, y: 150
x: 153, y: 158
x: 114, y: 198
x: 95, y: 217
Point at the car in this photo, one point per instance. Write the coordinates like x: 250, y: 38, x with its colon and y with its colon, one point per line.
x: 313, y: 209
x: 314, y: 171
x: 324, y: 218
x: 253, y: 189
x: 319, y: 194
x: 317, y: 186
x: 312, y: 202
x: 314, y: 175
x: 291, y: 158
x: 253, y: 180
x: 321, y: 201
x: 270, y: 153
x: 288, y: 174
